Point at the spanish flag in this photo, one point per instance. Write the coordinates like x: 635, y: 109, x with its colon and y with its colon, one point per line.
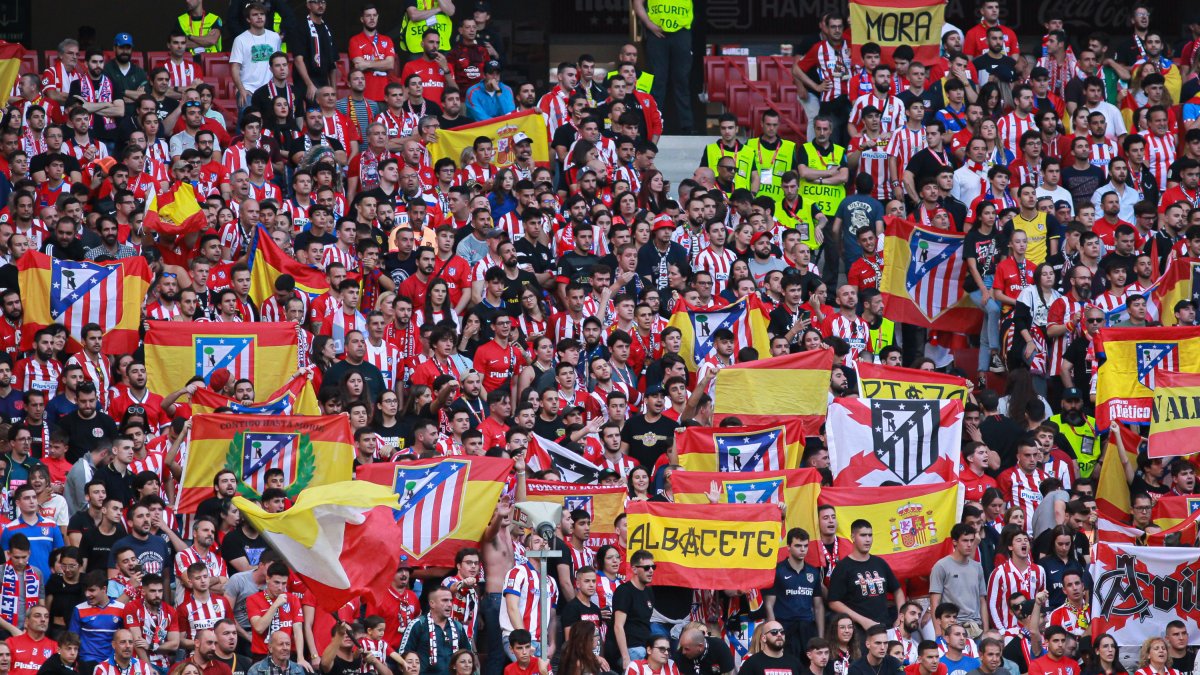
x: 294, y: 398
x: 604, y: 503
x: 310, y: 451
x: 1112, y: 489
x: 75, y: 294
x: 879, y: 381
x: 264, y: 353
x: 176, y: 211
x: 1174, y: 285
x: 1176, y: 515
x: 911, y: 523
x: 11, y: 54
x: 770, y: 447
x: 922, y: 282
x: 746, y: 319
x: 774, y: 390
x: 797, y: 489
x: 1132, y: 359
x: 445, y: 503
x: 339, y: 538
x: 451, y: 142
x: 712, y: 546
x: 267, y: 261
x: 1175, y: 414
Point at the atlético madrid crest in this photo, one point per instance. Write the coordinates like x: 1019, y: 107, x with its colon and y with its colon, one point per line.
x: 252, y: 454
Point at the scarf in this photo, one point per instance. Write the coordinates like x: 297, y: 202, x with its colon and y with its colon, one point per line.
x: 103, y: 95
x: 10, y: 592
x: 316, y: 41
x: 451, y: 629
x: 339, y: 328
x: 368, y: 167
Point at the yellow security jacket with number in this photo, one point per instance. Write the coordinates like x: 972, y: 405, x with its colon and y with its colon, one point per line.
x: 201, y: 28
x: 670, y: 15
x: 750, y: 158
x: 413, y: 30
x: 828, y: 196
x: 801, y: 222
x: 713, y: 152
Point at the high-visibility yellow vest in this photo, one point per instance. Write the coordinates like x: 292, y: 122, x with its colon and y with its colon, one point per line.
x: 802, y: 222
x: 1084, y: 442
x: 195, y: 29
x: 670, y: 15
x: 752, y: 158
x: 644, y: 82
x: 411, y: 31
x: 884, y: 336
x: 713, y: 152
x: 828, y: 196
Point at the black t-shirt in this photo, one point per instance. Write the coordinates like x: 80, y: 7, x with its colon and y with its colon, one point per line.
x: 761, y: 664
x: 1015, y: 651
x: 343, y: 667
x: 299, y: 145
x: 552, y: 430
x: 1082, y: 184
x: 564, y: 136
x: 303, y: 239
x: 648, y: 440
x: 1003, y: 68
x: 715, y: 660
x: 575, y: 611
x: 513, y: 288
x: 536, y: 256
x: 1081, y: 369
x: 981, y: 247
x: 38, y: 162
x: 1185, y: 663
x: 95, y: 547
x: 673, y: 602
x: 238, y: 664
x: 238, y: 545
x: 575, y: 266
x: 863, y: 586
x: 926, y: 163
x: 81, y: 522
x: 84, y: 435
x: 638, y: 606
x: 889, y: 666
x: 65, y: 596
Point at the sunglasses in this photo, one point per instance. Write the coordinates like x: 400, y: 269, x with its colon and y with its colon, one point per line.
x: 775, y: 631
x: 1096, y: 320
x: 648, y: 568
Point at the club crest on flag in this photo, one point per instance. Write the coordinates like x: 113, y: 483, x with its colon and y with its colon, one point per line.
x: 1193, y: 505
x: 754, y: 491
x: 234, y: 353
x: 747, y: 452
x: 905, y: 436
x: 928, y: 251
x: 704, y: 324
x: 1154, y: 356
x: 251, y: 454
x: 430, y: 501
x: 72, y: 282
x: 575, y: 502
x: 912, y: 526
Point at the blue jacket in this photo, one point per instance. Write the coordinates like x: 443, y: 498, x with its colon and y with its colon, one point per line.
x: 484, y: 105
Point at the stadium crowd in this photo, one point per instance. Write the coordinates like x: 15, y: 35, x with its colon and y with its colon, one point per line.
x: 480, y: 301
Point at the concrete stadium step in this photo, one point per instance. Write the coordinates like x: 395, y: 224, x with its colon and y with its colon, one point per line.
x: 678, y: 157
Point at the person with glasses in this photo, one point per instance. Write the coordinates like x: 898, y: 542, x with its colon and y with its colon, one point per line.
x: 632, y: 605
x: 769, y: 655
x: 658, y: 659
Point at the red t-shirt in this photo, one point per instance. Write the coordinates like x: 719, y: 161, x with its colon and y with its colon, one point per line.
x: 431, y: 77
x: 1044, y: 665
x: 1011, y: 278
x: 497, y: 364
x: 28, y: 654
x: 289, y: 613
x: 515, y: 668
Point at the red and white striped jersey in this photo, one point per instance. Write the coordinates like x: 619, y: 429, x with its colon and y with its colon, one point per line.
x: 397, y: 126
x: 606, y: 150
x: 159, y: 312
x: 622, y: 466
x: 272, y: 310
x: 154, y: 625
x: 95, y: 371
x: 1160, y: 155
x: 523, y: 582
x: 158, y: 151
x: 581, y: 557
x: 693, y: 242
x: 480, y: 268
x: 834, y: 66
x: 553, y: 105
x: 476, y: 172
x: 1006, y: 580
x: 464, y: 605
x: 1103, y: 151
x: 58, y: 77
x: 298, y: 212
x: 891, y: 111
x: 267, y: 190
x: 190, y: 556
x: 194, y: 615
x: 642, y: 667
x: 1022, y: 173
x: 512, y: 225
x: 530, y: 327
x: 333, y: 254
x: 630, y: 175
x: 905, y: 143
x: 1020, y: 490
x: 591, y: 307
x: 135, y: 667
x: 79, y: 150
x: 1010, y: 127
x: 182, y: 73
x: 854, y: 331
x: 38, y: 233
x: 377, y: 648
x: 387, y: 358
x: 873, y: 161
x: 1107, y: 301
x: 563, y: 326
x: 234, y: 158
x: 1061, y: 311
x: 718, y: 265
x: 32, y: 374
x: 1074, y: 619
x: 153, y: 461
x: 447, y: 446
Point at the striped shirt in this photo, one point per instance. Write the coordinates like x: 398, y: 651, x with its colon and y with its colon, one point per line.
x: 387, y: 358
x: 190, y: 556
x: 464, y: 605
x: 135, y: 667
x: 1160, y: 155
x: 563, y: 326
x: 1006, y: 580
x: 642, y: 667
x: 891, y: 111
x: 833, y: 66
x: 718, y: 265
x: 873, y: 161
x: 854, y: 331
x: 96, y: 372
x: 523, y: 582
x: 193, y: 616
x: 32, y: 374
x: 95, y: 627
x: 182, y: 73
x: 1075, y: 620
x: 904, y: 144
x: 1104, y: 150
x: 1011, y: 127
x: 155, y: 626
x: 1061, y: 311
x: 1020, y: 490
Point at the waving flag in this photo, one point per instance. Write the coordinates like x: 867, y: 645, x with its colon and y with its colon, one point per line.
x: 911, y: 442
x: 776, y: 390
x: 11, y: 54
x: 310, y: 451
x: 746, y: 448
x: 262, y: 352
x: 746, y: 318
x: 719, y: 546
x: 574, y: 467
x: 604, y: 503
x: 451, y: 142
x: 1131, y: 360
x: 798, y: 489
x: 176, y: 211
x: 1112, y: 490
x: 267, y: 262
x: 922, y: 281
x: 294, y: 398
x: 445, y: 503
x: 1177, y: 283
x: 879, y: 381
x: 911, y: 523
x: 1175, y: 414
x: 75, y: 294
x: 338, y: 537
x: 1113, y: 532
x: 1140, y: 589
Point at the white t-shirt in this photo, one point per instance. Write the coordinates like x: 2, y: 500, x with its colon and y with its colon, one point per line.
x: 1058, y: 194
x: 55, y: 509
x: 254, y: 52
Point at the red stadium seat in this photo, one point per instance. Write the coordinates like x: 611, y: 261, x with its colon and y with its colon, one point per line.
x: 217, y: 73
x: 719, y: 71
x: 739, y: 102
x: 776, y: 70
x: 49, y: 58
x: 29, y: 62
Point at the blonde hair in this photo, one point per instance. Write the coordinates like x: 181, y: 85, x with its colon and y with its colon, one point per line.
x: 1144, y: 652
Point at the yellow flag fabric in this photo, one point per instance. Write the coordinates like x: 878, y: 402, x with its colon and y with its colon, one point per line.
x: 798, y: 489
x: 451, y: 142
x: 879, y: 381
x: 264, y: 353
x: 602, y: 502
x: 1175, y: 415
x: 1131, y: 361
x: 746, y: 319
x: 774, y: 390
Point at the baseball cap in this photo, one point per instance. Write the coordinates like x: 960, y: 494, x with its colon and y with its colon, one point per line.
x: 765, y: 234
x: 663, y: 222
x: 1062, y: 204
x: 1072, y: 392
x: 123, y: 40
x: 491, y: 67
x: 521, y: 137
x: 483, y: 7
x: 1039, y: 73
x: 654, y: 390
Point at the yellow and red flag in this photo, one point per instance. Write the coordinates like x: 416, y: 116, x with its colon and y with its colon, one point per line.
x: 75, y: 294
x: 770, y: 447
x: 711, y: 546
x: 797, y: 489
x: 1171, y: 510
x: 922, y: 282
x: 1174, y: 415
x: 310, y: 451
x: 11, y: 54
x: 879, y: 381
x: 1174, y: 285
x: 911, y: 523
x: 1112, y: 490
x: 775, y: 390
x: 746, y: 319
x: 267, y: 262
x: 175, y: 211
x: 294, y: 398
x: 1132, y: 359
x: 445, y: 503
x: 264, y: 353
x: 604, y: 503
x: 891, y: 23
x: 451, y: 142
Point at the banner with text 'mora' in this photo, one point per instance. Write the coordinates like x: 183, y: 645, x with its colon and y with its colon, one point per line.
x: 891, y: 23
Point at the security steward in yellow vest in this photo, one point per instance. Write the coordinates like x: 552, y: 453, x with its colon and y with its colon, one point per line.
x: 1079, y: 431
x: 727, y: 145
x: 823, y: 169
x: 668, y: 32
x: 421, y: 15
x: 881, y: 332
x: 793, y: 212
x: 203, y: 29
x: 763, y: 160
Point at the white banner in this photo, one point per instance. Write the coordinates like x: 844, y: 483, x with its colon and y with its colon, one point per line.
x: 1139, y: 589
x: 873, y: 442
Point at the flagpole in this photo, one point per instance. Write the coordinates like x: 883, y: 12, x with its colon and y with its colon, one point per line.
x: 544, y: 594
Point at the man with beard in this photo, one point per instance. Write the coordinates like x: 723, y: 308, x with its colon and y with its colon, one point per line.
x: 110, y: 246
x: 771, y: 658
x: 1065, y: 318
x: 437, y: 75
x: 526, y: 97
x: 516, y: 280
x: 452, y: 111
x: 10, y: 327
x: 128, y: 78
x: 96, y: 94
